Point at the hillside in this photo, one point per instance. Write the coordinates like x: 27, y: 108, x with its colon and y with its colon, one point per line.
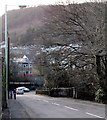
x: 47, y: 24
x: 19, y: 21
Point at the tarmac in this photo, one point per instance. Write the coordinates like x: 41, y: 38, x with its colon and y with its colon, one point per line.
x: 15, y: 110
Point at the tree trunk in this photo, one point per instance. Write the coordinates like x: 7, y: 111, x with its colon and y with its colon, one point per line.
x: 99, y: 71
x: 105, y: 89
x: 102, y: 74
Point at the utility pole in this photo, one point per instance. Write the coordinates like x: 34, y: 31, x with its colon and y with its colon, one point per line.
x: 1, y: 72
x: 6, y: 53
x: 7, y: 56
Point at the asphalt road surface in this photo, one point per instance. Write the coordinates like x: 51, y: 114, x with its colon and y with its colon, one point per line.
x: 38, y: 106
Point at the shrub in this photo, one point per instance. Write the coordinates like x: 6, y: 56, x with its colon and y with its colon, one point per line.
x: 45, y: 92
x: 99, y: 96
x: 61, y: 92
x: 56, y: 92
x: 85, y: 94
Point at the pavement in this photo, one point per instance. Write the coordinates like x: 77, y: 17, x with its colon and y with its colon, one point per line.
x: 14, y: 110
x: 6, y: 114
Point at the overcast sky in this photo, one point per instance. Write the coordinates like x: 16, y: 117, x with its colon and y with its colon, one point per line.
x: 13, y: 4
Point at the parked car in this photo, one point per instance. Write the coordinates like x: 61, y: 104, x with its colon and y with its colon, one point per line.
x: 19, y: 91
x: 25, y: 89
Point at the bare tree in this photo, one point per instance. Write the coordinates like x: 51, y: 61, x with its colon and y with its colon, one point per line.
x: 85, y: 22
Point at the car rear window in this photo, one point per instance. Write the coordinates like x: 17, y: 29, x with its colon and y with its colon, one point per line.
x: 20, y: 89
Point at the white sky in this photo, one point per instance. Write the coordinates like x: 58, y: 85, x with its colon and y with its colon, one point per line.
x: 13, y: 4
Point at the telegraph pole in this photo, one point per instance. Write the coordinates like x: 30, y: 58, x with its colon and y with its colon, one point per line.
x: 6, y: 53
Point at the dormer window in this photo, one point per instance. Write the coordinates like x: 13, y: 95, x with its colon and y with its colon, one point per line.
x: 25, y: 65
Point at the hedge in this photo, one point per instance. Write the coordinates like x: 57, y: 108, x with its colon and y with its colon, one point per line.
x: 67, y: 92
x: 61, y: 92
x: 45, y: 92
x: 57, y: 92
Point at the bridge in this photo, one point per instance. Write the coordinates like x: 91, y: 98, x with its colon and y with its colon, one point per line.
x: 13, y: 85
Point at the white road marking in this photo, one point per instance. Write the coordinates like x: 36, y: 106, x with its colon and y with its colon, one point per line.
x: 94, y: 115
x: 71, y: 108
x: 56, y: 104
x: 45, y: 101
x: 38, y: 99
x: 53, y: 99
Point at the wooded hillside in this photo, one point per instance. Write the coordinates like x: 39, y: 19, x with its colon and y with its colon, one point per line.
x: 19, y: 21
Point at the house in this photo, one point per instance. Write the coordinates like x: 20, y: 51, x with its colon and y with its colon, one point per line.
x: 27, y: 72
x: 24, y: 66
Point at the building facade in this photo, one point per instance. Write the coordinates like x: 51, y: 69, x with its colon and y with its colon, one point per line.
x: 26, y: 74
x: 24, y: 66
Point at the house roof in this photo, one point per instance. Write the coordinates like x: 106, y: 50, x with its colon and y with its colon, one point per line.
x: 24, y: 59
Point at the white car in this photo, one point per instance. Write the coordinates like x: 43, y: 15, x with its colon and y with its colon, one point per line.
x: 25, y: 89
x: 19, y: 91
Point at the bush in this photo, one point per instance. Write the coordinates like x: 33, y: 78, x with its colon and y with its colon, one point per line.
x: 61, y: 92
x: 99, y: 96
x: 86, y: 95
x: 56, y: 92
x: 45, y: 92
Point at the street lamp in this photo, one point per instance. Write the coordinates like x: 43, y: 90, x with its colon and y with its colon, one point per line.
x: 7, y: 49
x: 6, y: 53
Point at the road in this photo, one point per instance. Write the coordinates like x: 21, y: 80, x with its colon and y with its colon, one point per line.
x: 38, y: 106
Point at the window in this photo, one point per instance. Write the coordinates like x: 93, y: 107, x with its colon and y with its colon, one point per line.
x: 30, y: 72
x: 25, y: 65
x: 30, y: 66
x: 27, y: 72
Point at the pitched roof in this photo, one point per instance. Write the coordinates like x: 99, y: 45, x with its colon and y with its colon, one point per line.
x: 24, y: 59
